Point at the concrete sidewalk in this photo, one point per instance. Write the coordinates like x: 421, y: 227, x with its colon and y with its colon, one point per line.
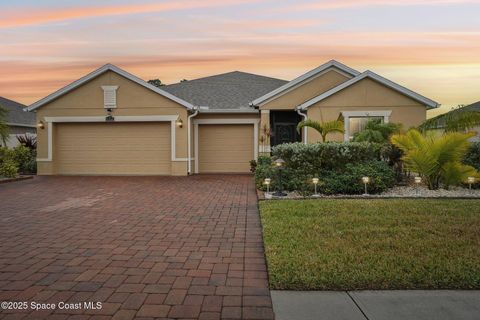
x: 377, y: 305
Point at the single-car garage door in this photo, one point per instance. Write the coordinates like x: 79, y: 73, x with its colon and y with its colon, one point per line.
x: 112, y: 148
x: 225, y: 148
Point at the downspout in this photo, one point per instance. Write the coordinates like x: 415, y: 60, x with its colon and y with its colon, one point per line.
x: 189, y: 140
x: 305, y: 129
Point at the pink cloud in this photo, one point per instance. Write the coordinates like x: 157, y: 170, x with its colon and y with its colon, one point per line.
x: 344, y: 4
x: 15, y: 18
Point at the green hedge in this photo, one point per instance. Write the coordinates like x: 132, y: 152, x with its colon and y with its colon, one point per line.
x: 340, y: 167
x: 349, y: 180
x: 316, y: 157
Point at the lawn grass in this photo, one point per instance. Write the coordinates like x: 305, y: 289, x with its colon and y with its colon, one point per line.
x: 347, y: 244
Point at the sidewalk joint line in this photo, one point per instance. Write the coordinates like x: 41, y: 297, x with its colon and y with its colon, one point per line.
x: 348, y: 294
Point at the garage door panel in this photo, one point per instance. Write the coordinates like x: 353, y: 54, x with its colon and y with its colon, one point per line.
x: 113, y: 148
x: 226, y: 156
x: 225, y: 148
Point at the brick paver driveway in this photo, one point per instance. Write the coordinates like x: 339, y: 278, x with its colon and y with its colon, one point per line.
x: 145, y: 247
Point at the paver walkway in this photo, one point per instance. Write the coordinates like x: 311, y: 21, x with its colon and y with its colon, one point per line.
x: 145, y: 247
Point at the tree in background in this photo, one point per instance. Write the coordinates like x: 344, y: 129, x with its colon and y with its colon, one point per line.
x: 156, y: 82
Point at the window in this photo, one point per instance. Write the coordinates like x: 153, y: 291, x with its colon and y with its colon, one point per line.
x: 109, y: 96
x: 357, y: 124
x: 355, y: 121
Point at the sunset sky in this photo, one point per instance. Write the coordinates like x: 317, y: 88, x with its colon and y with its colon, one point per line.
x: 429, y: 46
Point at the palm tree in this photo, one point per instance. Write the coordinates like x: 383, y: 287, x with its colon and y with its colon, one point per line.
x: 377, y: 131
x: 437, y: 159
x: 459, y: 120
x: 324, y: 128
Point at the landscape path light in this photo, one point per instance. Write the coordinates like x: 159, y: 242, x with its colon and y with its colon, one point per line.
x: 279, y: 165
x: 315, y: 182
x: 418, y: 180
x: 470, y: 180
x: 267, y: 182
x: 365, y: 181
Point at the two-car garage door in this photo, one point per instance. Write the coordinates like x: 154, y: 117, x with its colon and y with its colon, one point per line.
x: 135, y: 148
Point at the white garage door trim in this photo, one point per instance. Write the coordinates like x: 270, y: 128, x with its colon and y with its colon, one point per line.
x: 51, y: 120
x: 226, y: 121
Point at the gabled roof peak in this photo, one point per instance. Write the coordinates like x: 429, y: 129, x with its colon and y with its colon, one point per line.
x: 329, y: 64
x: 372, y: 75
x: 96, y: 73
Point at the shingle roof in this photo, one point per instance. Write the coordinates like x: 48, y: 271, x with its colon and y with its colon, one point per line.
x: 472, y: 107
x: 232, y: 90
x: 16, y: 114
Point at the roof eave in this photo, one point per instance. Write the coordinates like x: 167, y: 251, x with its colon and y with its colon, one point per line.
x: 228, y: 110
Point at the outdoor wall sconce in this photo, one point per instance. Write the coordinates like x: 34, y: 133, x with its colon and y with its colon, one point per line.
x: 315, y: 182
x: 365, y: 181
x: 179, y: 123
x: 279, y: 164
x: 41, y: 125
x: 470, y: 180
x: 267, y: 182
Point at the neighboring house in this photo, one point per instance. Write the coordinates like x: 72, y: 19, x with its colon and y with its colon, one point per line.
x: 19, y: 121
x: 474, y: 107
x: 111, y: 122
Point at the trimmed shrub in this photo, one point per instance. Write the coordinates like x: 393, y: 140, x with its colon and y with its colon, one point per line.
x: 336, y: 164
x: 20, y: 158
x: 25, y: 158
x: 316, y: 157
x: 349, y: 181
x: 472, y: 158
x: 8, y: 168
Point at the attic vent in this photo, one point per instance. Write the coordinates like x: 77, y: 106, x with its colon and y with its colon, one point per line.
x: 109, y: 96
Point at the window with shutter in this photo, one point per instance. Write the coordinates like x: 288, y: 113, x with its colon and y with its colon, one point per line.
x: 110, y: 96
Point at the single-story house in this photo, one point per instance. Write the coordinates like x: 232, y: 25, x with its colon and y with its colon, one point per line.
x: 112, y: 122
x: 19, y: 121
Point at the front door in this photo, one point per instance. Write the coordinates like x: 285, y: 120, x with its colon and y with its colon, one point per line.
x: 284, y: 127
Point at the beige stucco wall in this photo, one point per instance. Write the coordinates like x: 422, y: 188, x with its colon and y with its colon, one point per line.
x: 367, y: 95
x: 308, y: 89
x: 132, y: 100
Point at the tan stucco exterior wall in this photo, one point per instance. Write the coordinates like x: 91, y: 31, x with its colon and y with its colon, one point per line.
x: 132, y: 100
x: 367, y: 95
x: 308, y: 89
